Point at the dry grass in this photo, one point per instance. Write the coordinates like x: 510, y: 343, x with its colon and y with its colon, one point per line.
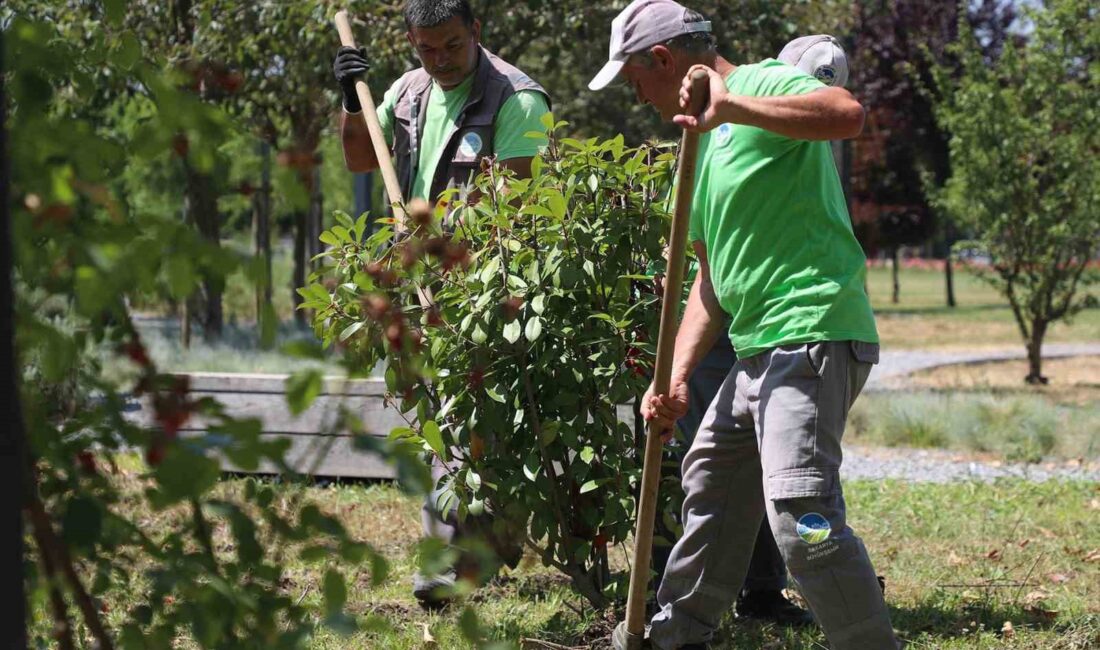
x: 1073, y: 380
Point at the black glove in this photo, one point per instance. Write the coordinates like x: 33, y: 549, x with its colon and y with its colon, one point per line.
x: 349, y: 66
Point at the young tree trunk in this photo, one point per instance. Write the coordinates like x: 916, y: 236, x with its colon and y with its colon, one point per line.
x: 1035, y: 353
x: 201, y: 204
x: 948, y: 268
x: 299, y: 280
x: 14, y: 634
x: 949, y: 278
x: 316, y: 213
x: 895, y: 297
x: 261, y: 227
x: 185, y: 323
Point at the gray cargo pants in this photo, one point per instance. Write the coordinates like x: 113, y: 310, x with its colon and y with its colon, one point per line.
x: 769, y: 445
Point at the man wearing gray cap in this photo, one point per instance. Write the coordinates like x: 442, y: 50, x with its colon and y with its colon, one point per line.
x: 780, y: 265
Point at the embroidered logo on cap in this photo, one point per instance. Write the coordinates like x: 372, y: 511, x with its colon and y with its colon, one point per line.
x: 470, y: 145
x: 826, y: 74
x: 813, y: 528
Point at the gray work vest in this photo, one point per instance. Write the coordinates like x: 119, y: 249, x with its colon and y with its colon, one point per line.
x: 472, y: 137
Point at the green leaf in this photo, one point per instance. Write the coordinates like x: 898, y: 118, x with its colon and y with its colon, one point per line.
x: 587, y: 454
x: 434, y: 437
x: 533, y: 329
x: 479, y: 336
x: 538, y: 304
x: 82, y: 523
x: 351, y: 329
x: 589, y: 486
x: 556, y: 203
x: 335, y: 591
x: 302, y: 388
x: 185, y: 473
x: 548, y: 432
x: 512, y: 331
x: 495, y: 396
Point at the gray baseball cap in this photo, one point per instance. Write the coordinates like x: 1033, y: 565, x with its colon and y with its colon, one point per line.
x: 819, y: 56
x: 643, y: 24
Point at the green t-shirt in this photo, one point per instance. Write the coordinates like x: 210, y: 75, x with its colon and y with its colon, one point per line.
x: 522, y: 112
x: 770, y: 210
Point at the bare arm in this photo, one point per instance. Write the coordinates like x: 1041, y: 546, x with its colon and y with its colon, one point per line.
x: 702, y: 322
x: 359, y: 153
x: 699, y: 329
x: 824, y: 114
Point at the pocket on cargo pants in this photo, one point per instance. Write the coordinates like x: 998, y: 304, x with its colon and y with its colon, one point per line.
x: 828, y: 561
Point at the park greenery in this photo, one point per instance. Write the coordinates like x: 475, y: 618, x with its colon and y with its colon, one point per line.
x: 161, y: 153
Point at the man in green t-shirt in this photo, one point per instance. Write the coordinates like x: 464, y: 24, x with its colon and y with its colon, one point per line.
x: 778, y: 258
x: 440, y: 121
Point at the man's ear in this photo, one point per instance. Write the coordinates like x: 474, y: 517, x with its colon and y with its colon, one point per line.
x: 476, y: 29
x: 663, y: 58
x: 410, y: 39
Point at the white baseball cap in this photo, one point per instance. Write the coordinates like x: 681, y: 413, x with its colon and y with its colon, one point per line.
x: 819, y: 56
x: 643, y: 24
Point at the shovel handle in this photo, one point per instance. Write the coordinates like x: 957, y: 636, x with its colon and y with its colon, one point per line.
x: 374, y: 127
x: 666, y: 346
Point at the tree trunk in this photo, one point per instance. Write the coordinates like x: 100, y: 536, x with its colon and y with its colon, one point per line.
x: 14, y: 633
x: 1035, y: 353
x: 896, y: 296
x: 949, y: 278
x: 299, y: 280
x: 261, y: 227
x: 185, y: 323
x: 201, y: 204
x: 316, y: 213
x: 948, y: 268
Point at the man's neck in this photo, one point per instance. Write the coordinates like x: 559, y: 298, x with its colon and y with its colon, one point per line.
x: 723, y: 67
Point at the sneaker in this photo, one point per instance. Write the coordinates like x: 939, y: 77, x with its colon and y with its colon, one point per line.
x: 772, y: 606
x: 434, y: 592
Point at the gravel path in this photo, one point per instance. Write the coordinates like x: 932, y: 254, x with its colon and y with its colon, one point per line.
x: 895, y: 364
x: 940, y: 466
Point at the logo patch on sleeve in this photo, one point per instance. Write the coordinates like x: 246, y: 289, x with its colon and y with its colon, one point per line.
x: 813, y: 528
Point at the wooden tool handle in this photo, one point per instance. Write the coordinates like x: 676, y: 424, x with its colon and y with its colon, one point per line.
x: 662, y: 372
x: 377, y: 136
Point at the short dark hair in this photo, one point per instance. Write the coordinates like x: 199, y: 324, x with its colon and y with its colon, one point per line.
x: 432, y: 13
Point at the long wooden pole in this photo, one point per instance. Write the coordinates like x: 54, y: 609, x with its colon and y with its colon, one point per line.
x: 666, y: 346
x: 381, y: 151
x: 378, y: 138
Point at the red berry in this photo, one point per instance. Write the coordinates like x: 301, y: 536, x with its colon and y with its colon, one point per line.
x: 87, y: 462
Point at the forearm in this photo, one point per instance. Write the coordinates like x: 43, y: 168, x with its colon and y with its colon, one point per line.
x: 359, y: 153
x: 701, y: 325
x: 826, y: 114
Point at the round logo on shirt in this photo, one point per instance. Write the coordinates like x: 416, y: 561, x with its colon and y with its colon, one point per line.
x: 723, y: 133
x: 826, y: 74
x: 470, y: 145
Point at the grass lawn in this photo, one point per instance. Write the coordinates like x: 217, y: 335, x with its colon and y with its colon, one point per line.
x: 981, y: 318
x: 944, y: 550
x: 961, y: 561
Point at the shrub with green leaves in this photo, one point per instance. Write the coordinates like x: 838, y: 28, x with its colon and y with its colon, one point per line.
x: 539, y: 326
